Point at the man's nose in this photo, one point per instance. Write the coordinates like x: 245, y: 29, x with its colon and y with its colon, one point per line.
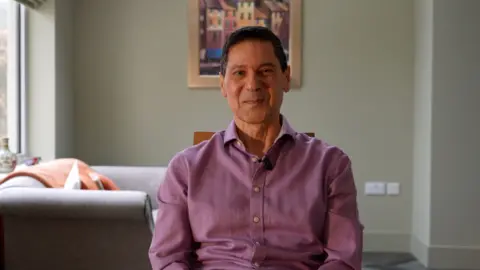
x: 253, y: 82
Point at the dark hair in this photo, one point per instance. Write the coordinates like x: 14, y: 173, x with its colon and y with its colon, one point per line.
x: 253, y: 33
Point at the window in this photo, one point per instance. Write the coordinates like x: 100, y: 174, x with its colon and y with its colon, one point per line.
x: 12, y: 40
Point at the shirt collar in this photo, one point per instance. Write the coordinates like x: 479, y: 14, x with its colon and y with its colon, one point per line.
x: 231, y: 131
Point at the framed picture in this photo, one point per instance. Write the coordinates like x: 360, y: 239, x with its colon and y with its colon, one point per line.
x: 211, y: 21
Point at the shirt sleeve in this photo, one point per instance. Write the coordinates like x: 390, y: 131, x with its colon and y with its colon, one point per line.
x: 343, y: 230
x: 171, y: 247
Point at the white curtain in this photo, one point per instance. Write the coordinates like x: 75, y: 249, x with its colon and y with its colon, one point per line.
x: 32, y: 3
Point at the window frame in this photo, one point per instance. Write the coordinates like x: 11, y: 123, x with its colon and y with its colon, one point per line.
x: 16, y: 78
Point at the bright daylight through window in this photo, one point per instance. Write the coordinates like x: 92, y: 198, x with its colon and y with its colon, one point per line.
x: 11, y: 73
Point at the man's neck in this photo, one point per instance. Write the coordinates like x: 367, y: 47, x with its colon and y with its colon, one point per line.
x: 258, y: 138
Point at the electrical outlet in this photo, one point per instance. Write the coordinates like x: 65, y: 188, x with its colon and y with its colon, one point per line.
x: 393, y: 188
x: 375, y: 188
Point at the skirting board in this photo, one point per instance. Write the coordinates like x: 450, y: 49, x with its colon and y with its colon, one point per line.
x: 386, y: 242
x: 446, y: 257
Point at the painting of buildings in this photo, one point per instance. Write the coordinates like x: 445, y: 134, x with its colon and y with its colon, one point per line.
x: 219, y: 18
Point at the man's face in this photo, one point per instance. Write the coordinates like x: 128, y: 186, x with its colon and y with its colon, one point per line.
x: 254, y: 82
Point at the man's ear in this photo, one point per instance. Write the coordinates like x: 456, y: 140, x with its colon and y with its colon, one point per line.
x: 288, y: 78
x: 222, y: 88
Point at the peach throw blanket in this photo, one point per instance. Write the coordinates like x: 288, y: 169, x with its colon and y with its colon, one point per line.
x: 53, y: 174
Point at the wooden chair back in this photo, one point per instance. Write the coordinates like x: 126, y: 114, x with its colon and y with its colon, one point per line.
x: 200, y: 136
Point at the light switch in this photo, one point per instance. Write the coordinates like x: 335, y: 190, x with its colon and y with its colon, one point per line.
x: 375, y: 188
x: 393, y: 188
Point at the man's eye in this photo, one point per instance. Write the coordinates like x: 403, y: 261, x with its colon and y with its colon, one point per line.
x: 239, y: 73
x: 267, y: 71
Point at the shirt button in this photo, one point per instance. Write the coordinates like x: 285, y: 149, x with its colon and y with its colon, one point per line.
x: 254, y: 159
x: 256, y: 264
x: 256, y: 189
x: 256, y: 219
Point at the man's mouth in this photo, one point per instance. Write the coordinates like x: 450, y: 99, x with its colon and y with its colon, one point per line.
x: 254, y: 101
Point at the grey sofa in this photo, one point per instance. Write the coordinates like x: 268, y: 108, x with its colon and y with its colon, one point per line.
x: 60, y: 229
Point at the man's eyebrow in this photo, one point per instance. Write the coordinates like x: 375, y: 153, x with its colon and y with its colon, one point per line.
x: 268, y: 64
x: 237, y: 66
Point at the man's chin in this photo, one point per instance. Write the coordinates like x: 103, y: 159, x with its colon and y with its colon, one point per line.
x: 254, y: 119
x: 254, y: 115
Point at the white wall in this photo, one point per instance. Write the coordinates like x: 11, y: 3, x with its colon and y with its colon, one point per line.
x: 41, y: 81
x: 456, y: 128
x: 64, y: 54
x: 50, y: 103
x: 445, y: 215
x: 455, y: 132
x: 133, y: 107
x: 423, y: 127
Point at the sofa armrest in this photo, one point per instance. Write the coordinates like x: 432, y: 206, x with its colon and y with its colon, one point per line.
x: 75, y: 204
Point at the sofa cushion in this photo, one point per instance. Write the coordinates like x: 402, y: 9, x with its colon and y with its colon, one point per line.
x: 22, y: 181
x: 140, y: 178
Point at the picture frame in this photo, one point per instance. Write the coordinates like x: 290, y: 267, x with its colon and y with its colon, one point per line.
x: 210, y: 22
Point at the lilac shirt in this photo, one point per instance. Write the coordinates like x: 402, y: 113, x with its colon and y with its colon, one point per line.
x: 219, y: 208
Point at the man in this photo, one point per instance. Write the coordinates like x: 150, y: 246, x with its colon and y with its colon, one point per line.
x: 258, y: 195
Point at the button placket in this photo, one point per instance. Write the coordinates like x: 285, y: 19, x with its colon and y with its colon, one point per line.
x: 259, y: 254
x: 256, y: 201
x: 256, y: 211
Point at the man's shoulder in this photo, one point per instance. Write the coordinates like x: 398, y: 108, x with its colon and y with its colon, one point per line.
x: 329, y: 155
x: 193, y: 154
x: 319, y: 146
